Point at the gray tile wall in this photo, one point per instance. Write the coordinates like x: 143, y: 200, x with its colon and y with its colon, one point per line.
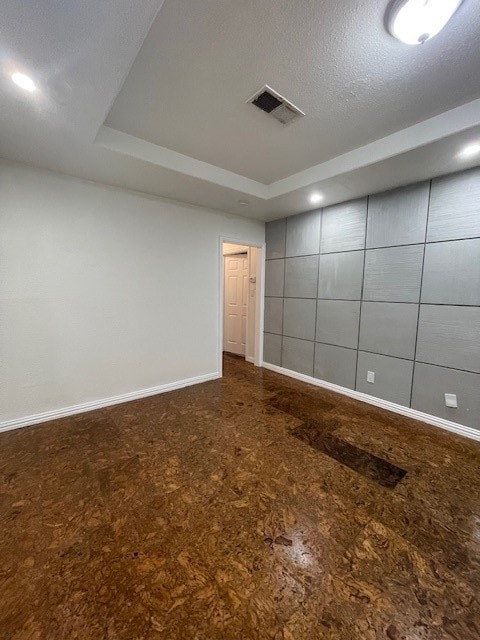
x: 388, y: 284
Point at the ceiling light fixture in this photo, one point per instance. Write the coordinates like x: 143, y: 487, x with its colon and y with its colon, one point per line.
x: 416, y: 21
x: 316, y: 197
x: 471, y: 150
x: 23, y: 81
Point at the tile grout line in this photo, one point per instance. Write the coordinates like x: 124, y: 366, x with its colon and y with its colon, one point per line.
x: 390, y: 246
x: 420, y: 292
x: 443, y: 366
x: 376, y: 353
x: 283, y: 297
x: 425, y: 304
x: 316, y: 300
x: 362, y: 291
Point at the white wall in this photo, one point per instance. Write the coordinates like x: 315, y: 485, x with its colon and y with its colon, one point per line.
x: 103, y: 291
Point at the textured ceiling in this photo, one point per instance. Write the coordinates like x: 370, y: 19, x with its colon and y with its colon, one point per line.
x: 203, y: 59
x: 331, y: 58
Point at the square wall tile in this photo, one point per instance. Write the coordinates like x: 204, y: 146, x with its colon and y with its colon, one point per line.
x: 301, y: 275
x: 297, y: 355
x: 455, y: 207
x: 449, y: 336
x: 451, y: 274
x: 343, y: 226
x: 341, y: 275
x: 337, y: 322
x: 303, y: 234
x: 398, y: 217
x: 274, y: 277
x: 431, y: 383
x: 299, y: 318
x: 393, y: 275
x: 389, y: 328
x: 272, y: 348
x: 273, y: 315
x: 393, y: 377
x: 275, y: 235
x: 335, y: 364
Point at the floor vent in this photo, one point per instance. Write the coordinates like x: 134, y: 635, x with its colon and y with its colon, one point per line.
x: 275, y: 105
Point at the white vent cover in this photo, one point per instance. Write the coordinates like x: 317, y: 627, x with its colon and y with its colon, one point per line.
x: 275, y: 105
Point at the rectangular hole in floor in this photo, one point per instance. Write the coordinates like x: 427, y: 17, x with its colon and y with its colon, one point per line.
x: 368, y: 465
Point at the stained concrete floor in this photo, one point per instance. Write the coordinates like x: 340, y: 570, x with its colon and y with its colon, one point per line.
x: 253, y: 507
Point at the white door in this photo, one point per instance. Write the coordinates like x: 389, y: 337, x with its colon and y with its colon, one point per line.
x: 235, y: 306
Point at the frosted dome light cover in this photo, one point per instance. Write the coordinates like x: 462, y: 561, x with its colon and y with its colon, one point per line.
x: 416, y: 21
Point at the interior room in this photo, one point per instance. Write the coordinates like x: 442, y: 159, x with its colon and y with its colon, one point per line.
x: 240, y: 320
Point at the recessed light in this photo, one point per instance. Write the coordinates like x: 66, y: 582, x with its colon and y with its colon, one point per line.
x: 243, y: 203
x: 471, y: 150
x: 416, y: 21
x: 316, y: 197
x: 24, y: 81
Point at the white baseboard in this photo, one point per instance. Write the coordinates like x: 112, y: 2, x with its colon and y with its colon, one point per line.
x: 105, y: 402
x: 454, y: 427
x: 250, y: 359
x: 38, y: 418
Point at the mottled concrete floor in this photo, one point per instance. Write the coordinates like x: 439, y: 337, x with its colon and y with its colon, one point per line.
x: 251, y: 507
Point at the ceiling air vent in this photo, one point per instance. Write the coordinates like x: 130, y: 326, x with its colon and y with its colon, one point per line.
x: 275, y: 105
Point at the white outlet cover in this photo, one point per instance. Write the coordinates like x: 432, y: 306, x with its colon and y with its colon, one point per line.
x: 371, y: 376
x: 451, y: 400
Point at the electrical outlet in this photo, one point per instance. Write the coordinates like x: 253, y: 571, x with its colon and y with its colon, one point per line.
x: 451, y: 400
x: 371, y: 377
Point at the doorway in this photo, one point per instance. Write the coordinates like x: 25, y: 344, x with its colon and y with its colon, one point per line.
x: 241, y: 301
x: 235, y: 301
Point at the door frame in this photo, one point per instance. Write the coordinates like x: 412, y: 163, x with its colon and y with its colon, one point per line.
x: 244, y: 255
x: 259, y: 298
